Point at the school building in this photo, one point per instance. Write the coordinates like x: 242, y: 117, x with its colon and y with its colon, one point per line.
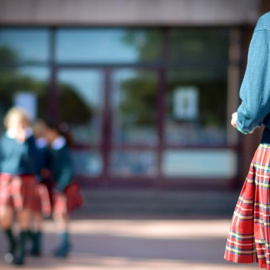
x: 147, y: 86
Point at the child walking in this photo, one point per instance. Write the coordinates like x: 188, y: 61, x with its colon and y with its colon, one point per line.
x: 66, y: 195
x: 249, y: 236
x: 43, y: 191
x: 17, y: 181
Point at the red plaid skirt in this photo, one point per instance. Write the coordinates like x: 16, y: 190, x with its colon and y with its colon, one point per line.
x: 17, y: 191
x: 70, y: 200
x: 249, y: 237
x: 42, y: 200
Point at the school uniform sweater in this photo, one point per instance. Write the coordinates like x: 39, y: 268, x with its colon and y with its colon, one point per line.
x: 61, y: 164
x: 254, y: 110
x: 42, y: 161
x: 17, y: 158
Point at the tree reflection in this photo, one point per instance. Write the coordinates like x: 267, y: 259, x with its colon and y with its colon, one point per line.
x: 73, y: 108
x: 14, y: 79
x: 194, y: 57
x: 8, y: 55
x: 139, y: 99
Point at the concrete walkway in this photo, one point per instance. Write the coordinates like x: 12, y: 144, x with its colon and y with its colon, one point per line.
x: 141, y: 244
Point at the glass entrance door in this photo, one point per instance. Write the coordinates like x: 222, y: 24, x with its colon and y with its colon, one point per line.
x: 112, y: 113
x: 129, y: 128
x: 81, y: 104
x: 135, y: 137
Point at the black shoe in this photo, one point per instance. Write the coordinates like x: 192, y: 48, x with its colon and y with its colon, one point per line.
x: 18, y: 261
x: 62, y: 252
x: 35, y: 253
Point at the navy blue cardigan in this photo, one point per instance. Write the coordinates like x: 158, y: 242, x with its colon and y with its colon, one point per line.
x: 61, y: 167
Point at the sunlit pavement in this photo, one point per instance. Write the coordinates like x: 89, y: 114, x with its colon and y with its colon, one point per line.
x: 138, y: 244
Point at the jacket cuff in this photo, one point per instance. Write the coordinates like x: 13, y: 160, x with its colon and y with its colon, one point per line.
x: 242, y: 131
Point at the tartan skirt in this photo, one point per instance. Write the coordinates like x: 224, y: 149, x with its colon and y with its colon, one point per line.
x: 42, y: 200
x: 18, y: 191
x: 249, y: 236
x: 69, y: 200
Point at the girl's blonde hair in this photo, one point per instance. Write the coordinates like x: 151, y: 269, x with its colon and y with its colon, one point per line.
x: 16, y: 111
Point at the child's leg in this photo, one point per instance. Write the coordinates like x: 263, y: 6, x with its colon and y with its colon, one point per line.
x: 23, y: 218
x: 6, y: 216
x: 6, y: 219
x: 42, y: 206
x: 35, y: 233
x: 37, y: 224
x: 62, y: 223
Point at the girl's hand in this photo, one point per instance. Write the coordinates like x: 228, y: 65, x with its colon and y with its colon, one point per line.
x: 234, y: 120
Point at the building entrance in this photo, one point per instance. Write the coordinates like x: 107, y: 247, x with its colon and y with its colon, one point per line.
x: 146, y: 106
x: 114, y: 117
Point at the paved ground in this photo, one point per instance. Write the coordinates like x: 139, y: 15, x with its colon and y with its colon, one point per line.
x: 141, y: 244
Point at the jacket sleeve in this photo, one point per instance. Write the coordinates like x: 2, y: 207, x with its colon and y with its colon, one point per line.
x: 30, y: 156
x: 65, y: 173
x: 1, y: 153
x: 255, y: 88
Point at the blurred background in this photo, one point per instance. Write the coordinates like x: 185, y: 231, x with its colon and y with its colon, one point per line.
x: 148, y: 88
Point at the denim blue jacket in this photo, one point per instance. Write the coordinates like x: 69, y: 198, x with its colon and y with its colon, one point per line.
x: 255, y: 89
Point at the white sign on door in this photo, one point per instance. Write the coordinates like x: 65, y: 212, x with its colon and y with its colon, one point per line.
x: 186, y: 103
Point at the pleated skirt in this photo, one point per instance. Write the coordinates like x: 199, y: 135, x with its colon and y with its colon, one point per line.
x: 249, y: 237
x: 18, y: 191
x: 69, y: 200
x: 43, y: 204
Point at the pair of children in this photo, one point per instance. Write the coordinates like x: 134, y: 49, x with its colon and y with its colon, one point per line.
x: 24, y: 165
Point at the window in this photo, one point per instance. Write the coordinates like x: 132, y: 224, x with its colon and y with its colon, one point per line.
x: 101, y: 45
x: 135, y: 107
x: 81, y: 100
x: 24, y: 45
x: 200, y: 46
x: 24, y: 82
x: 196, y: 103
x: 141, y: 102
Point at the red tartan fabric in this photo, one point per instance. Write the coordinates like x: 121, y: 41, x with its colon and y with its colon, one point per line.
x: 43, y: 202
x: 70, y: 200
x: 17, y: 191
x: 249, y: 236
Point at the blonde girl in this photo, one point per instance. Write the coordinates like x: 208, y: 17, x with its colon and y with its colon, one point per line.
x: 17, y: 181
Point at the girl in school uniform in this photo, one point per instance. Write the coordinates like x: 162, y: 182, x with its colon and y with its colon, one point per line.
x: 17, y: 181
x: 43, y: 192
x: 249, y: 236
x: 66, y: 194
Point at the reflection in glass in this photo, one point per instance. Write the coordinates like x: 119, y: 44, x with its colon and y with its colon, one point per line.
x: 199, y: 45
x: 24, y: 44
x: 81, y: 101
x: 134, y: 107
x: 87, y: 163
x: 107, y: 45
x: 196, y: 107
x: 133, y: 163
x: 23, y: 80
x: 195, y: 163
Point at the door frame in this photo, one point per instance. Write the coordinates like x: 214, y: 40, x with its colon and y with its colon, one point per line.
x: 105, y: 146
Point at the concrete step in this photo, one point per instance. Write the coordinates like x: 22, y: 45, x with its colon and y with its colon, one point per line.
x: 164, y: 203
